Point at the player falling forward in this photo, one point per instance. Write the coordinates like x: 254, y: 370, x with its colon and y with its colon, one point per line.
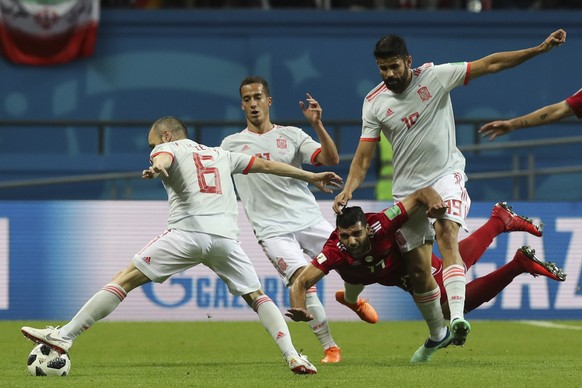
x: 361, y: 241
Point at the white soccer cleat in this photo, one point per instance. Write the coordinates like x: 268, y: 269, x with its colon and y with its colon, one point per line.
x: 300, y: 365
x: 49, y: 336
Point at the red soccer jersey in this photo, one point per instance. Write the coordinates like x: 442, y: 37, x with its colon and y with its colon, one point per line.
x: 383, y: 264
x: 575, y: 102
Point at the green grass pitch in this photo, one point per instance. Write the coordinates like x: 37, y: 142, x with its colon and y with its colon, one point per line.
x: 241, y: 354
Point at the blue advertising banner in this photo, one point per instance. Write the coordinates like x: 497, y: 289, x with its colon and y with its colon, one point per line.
x: 54, y: 255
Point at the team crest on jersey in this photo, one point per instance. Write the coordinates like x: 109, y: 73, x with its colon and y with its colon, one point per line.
x: 424, y: 94
x: 281, y: 264
x: 282, y: 143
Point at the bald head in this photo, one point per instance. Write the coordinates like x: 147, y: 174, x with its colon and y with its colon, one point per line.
x: 165, y: 130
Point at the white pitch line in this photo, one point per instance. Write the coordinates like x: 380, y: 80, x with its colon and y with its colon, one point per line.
x: 551, y: 325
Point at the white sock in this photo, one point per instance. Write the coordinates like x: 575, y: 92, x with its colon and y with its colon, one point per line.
x: 429, y: 305
x: 352, y: 292
x: 319, y: 323
x: 96, y: 308
x: 455, y: 283
x: 275, y: 324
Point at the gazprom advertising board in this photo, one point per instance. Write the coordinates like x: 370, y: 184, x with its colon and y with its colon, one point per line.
x: 54, y: 255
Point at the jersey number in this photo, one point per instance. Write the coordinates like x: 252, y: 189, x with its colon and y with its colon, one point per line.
x: 410, y: 120
x: 202, y: 171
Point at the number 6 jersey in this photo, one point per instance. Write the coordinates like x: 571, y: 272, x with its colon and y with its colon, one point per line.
x: 200, y: 189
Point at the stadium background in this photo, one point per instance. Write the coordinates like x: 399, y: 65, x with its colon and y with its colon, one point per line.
x: 49, y: 248
x: 149, y: 64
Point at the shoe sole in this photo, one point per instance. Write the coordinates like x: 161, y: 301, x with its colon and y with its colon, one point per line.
x: 301, y: 370
x: 547, y: 269
x: 459, y: 333
x: 37, y: 340
x: 537, y: 229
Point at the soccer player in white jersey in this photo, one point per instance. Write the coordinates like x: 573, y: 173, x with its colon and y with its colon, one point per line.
x: 412, y: 106
x: 285, y: 216
x: 201, y: 229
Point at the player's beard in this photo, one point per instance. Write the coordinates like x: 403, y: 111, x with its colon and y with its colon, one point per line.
x: 398, y: 84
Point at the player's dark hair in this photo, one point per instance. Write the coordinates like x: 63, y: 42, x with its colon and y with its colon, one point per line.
x: 390, y: 46
x: 350, y: 216
x: 255, y: 79
x: 171, y: 124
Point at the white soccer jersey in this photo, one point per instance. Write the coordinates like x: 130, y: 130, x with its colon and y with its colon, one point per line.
x: 276, y: 205
x: 200, y: 190
x: 420, y: 125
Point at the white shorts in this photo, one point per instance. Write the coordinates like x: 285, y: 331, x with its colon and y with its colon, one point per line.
x: 176, y: 250
x: 287, y: 252
x: 419, y: 229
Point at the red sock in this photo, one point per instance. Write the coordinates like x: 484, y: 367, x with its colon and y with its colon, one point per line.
x: 485, y: 288
x: 472, y: 247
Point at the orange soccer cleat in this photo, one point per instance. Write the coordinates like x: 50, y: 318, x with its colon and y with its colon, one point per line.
x: 365, y: 310
x: 332, y: 355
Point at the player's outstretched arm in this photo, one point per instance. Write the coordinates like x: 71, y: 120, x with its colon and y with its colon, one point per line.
x: 508, y: 59
x: 322, y: 180
x: 545, y: 115
x: 358, y: 170
x: 160, y: 164
x: 426, y: 197
x: 307, y: 279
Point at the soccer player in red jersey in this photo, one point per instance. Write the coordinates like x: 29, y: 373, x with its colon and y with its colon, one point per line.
x: 364, y: 250
x: 548, y: 114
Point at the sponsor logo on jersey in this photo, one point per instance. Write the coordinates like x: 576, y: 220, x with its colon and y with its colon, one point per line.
x: 282, y: 143
x: 393, y: 212
x: 389, y: 112
x: 146, y: 259
x: 424, y: 94
x: 321, y: 258
x: 246, y: 147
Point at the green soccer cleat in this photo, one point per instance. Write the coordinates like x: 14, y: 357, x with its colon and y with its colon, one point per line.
x: 425, y: 352
x: 460, y: 329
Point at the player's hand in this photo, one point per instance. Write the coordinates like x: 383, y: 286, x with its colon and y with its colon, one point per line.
x: 341, y: 201
x: 299, y: 315
x: 556, y: 38
x: 312, y: 111
x: 436, y: 210
x: 495, y: 129
x: 323, y: 181
x: 148, y: 174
